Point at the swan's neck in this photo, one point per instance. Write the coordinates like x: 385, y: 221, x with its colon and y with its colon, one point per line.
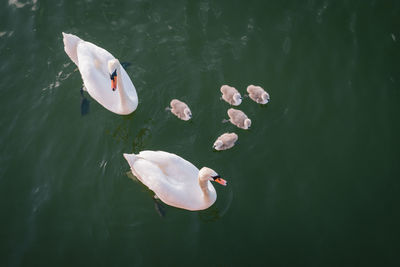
x: 204, y: 187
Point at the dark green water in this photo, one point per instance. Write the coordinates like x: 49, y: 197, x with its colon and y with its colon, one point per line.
x: 315, y: 182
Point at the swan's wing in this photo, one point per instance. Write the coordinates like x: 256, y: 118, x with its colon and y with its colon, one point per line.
x: 93, y: 67
x: 174, y: 194
x: 148, y: 173
x: 128, y: 85
x: 175, y: 168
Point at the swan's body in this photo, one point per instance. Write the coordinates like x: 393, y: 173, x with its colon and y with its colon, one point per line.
x: 231, y: 95
x: 258, y: 94
x: 174, y: 180
x: 239, y: 118
x: 180, y: 109
x: 225, y: 141
x: 102, y: 74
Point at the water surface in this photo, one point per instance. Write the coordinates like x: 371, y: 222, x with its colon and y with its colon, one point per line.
x: 314, y: 182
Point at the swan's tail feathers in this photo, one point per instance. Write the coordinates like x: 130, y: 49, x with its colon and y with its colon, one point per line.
x: 131, y: 158
x: 70, y: 45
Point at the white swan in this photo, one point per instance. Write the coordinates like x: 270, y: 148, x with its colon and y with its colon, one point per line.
x: 174, y: 180
x: 102, y: 74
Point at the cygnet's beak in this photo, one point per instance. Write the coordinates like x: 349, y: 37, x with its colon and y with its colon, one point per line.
x: 113, y: 78
x: 219, y: 180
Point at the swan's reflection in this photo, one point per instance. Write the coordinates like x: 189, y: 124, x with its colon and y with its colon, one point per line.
x: 123, y: 133
x: 140, y: 139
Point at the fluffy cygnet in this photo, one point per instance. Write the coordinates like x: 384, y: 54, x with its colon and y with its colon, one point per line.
x: 238, y: 118
x: 180, y: 109
x: 225, y: 141
x: 231, y: 95
x: 258, y: 94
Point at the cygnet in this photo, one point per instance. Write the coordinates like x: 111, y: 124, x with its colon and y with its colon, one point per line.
x: 238, y: 118
x: 258, y: 94
x: 231, y: 95
x: 225, y: 141
x: 180, y: 109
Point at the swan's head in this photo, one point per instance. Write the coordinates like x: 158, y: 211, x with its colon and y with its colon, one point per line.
x: 247, y: 123
x: 188, y: 114
x: 218, y: 144
x: 210, y: 175
x: 113, y: 64
x: 237, y: 99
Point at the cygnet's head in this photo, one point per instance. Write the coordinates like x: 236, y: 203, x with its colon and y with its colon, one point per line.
x: 218, y: 144
x: 188, y: 113
x: 247, y: 123
x: 206, y: 173
x: 237, y: 99
x: 265, y: 97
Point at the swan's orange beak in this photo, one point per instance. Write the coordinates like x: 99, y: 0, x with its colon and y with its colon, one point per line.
x: 114, y: 83
x: 113, y: 77
x: 219, y: 180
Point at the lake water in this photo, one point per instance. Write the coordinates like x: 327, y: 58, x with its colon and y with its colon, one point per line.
x: 314, y: 182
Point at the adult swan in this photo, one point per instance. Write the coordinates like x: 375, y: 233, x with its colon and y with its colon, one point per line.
x: 102, y: 74
x: 174, y: 180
